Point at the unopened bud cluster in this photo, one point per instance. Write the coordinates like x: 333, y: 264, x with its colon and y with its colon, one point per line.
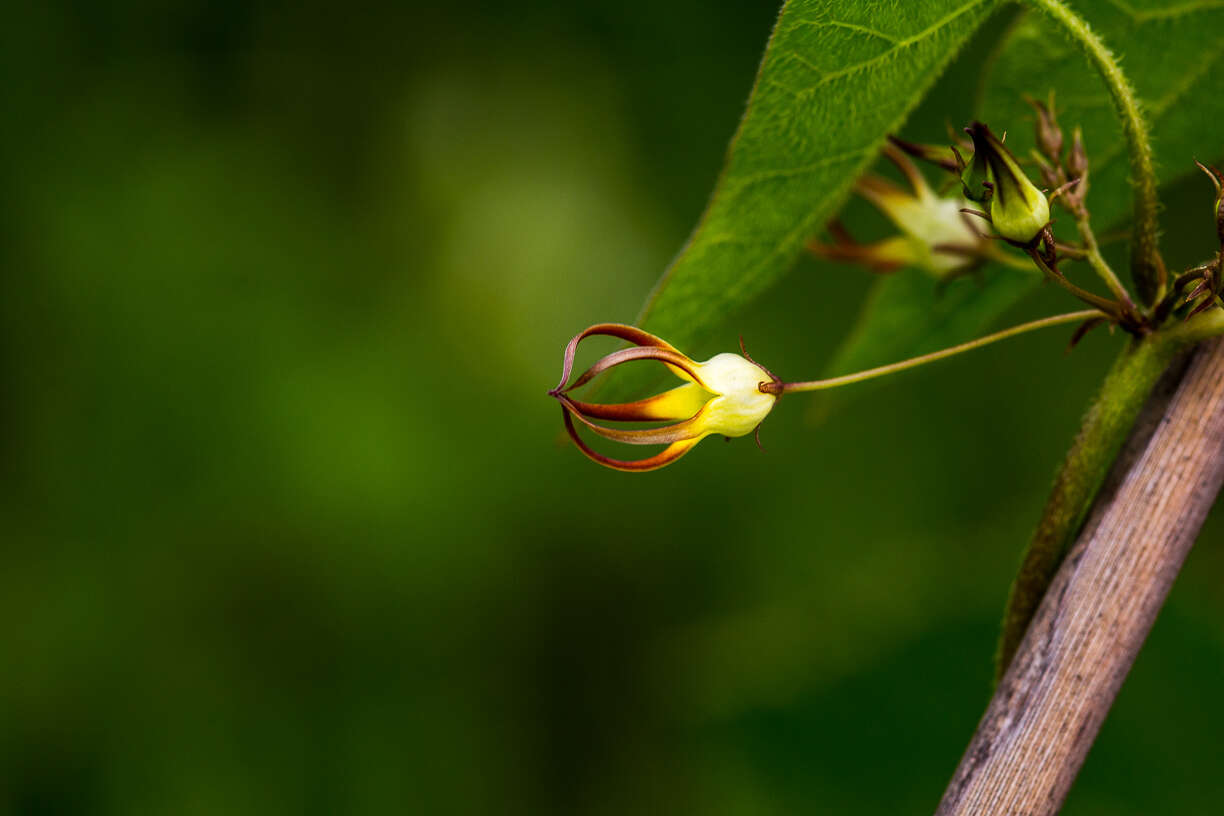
x: 1066, y: 174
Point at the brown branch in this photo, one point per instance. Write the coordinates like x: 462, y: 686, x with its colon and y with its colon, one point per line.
x: 1096, y: 614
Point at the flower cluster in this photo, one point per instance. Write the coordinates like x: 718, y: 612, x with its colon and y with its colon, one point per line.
x: 1066, y: 175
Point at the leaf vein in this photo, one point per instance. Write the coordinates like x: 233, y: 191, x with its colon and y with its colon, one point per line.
x: 862, y: 29
x: 795, y: 56
x: 883, y: 56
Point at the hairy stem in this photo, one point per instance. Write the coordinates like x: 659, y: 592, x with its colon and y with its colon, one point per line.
x: 913, y: 362
x: 1146, y: 266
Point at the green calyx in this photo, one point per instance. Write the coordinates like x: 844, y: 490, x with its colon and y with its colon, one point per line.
x: 975, y: 178
x: 1018, y: 210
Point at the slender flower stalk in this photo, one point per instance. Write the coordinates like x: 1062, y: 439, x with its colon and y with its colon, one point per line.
x: 913, y: 362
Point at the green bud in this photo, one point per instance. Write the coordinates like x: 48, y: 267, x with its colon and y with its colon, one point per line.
x: 1018, y: 210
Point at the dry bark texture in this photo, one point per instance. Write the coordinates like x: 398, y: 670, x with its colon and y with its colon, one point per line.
x: 1097, y: 612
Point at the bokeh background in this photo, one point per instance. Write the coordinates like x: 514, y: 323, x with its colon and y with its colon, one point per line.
x: 287, y: 524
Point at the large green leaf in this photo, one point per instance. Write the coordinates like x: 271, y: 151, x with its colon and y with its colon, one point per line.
x: 836, y: 77
x: 1170, y: 48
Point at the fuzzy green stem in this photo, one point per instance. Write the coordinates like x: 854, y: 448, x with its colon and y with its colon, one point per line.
x: 1146, y: 265
x: 913, y: 362
x: 1104, y: 429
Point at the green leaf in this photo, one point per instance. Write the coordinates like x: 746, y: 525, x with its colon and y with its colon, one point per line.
x: 836, y: 77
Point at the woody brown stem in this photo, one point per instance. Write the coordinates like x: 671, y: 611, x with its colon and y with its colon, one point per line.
x: 1089, y: 628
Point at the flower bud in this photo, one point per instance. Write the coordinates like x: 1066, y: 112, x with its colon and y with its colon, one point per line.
x: 1076, y: 190
x: 1049, y: 134
x: 1077, y: 157
x: 1018, y: 210
x: 722, y: 396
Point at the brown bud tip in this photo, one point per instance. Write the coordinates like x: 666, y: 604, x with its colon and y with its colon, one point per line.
x: 1077, y: 157
x: 1049, y: 135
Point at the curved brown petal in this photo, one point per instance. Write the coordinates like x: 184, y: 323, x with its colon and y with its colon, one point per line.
x: 675, y: 432
x: 665, y: 457
x: 620, y: 330
x: 912, y: 174
x: 668, y: 356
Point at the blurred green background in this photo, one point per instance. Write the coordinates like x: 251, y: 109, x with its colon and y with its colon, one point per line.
x: 288, y: 526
